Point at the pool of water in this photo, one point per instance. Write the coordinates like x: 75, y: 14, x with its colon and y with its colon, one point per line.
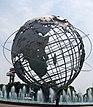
x: 29, y: 102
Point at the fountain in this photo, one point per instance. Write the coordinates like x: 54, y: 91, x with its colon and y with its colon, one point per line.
x: 4, y: 92
x: 40, y: 96
x: 90, y: 97
x: 52, y: 95
x: 66, y: 98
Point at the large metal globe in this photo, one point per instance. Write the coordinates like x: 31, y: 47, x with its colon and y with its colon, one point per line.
x: 47, y: 51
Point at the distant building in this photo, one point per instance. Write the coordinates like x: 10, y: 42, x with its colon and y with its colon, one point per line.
x: 11, y: 74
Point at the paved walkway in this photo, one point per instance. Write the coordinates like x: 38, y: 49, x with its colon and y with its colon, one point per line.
x: 9, y: 105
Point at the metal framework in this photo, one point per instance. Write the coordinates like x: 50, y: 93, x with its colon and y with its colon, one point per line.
x: 47, y: 51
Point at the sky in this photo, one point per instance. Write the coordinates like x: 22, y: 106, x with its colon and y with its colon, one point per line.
x: 14, y: 13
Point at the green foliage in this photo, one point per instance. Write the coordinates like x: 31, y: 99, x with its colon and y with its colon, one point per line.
x: 72, y: 88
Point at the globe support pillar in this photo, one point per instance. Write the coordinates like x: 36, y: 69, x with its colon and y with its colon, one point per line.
x: 58, y: 93
x: 46, y: 94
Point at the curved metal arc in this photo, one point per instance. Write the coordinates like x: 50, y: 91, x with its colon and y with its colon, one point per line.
x: 70, y: 38
x: 89, y: 41
x: 6, y: 48
x: 86, y: 70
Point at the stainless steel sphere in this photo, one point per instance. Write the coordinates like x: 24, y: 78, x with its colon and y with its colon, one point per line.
x: 47, y: 51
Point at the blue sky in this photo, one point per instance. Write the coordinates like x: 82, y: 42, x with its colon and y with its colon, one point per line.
x: 14, y: 13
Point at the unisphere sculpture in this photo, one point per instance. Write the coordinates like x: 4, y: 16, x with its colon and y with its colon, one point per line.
x: 47, y: 52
